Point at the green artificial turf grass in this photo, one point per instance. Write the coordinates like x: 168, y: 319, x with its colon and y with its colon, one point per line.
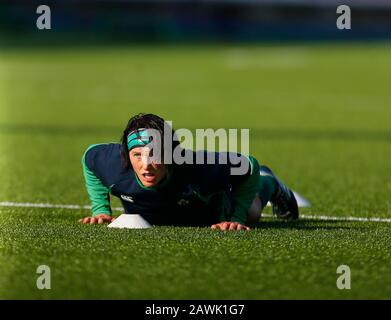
x: 319, y: 116
x: 277, y: 260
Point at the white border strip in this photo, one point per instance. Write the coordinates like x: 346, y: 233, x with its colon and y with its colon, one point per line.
x: 78, y: 207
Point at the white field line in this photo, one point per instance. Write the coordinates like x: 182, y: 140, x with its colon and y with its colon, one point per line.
x: 325, y: 218
x: 78, y: 207
x: 49, y: 205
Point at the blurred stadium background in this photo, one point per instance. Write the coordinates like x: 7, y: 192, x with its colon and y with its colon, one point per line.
x: 198, y: 20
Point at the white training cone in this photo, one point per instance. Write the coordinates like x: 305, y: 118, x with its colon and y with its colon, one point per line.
x: 130, y: 221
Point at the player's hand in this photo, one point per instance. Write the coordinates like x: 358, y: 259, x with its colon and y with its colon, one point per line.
x: 229, y: 225
x: 99, y: 218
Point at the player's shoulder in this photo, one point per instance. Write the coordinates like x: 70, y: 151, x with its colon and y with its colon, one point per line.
x: 102, y: 150
x: 208, y: 169
x: 104, y: 158
x: 220, y: 166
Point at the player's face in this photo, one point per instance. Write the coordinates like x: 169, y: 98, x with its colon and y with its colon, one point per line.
x: 148, y: 172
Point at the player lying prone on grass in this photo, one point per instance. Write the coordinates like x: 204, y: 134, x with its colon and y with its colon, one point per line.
x: 173, y: 194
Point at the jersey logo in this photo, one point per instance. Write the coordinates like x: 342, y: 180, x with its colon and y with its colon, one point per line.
x: 127, y: 198
x: 183, y: 202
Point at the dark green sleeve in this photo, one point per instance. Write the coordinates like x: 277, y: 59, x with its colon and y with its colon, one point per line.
x: 244, y: 193
x: 98, y: 193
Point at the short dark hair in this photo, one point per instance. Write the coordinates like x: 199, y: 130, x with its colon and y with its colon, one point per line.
x: 147, y: 121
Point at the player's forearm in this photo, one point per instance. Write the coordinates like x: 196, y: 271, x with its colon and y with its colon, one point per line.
x: 97, y: 192
x: 244, y: 193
